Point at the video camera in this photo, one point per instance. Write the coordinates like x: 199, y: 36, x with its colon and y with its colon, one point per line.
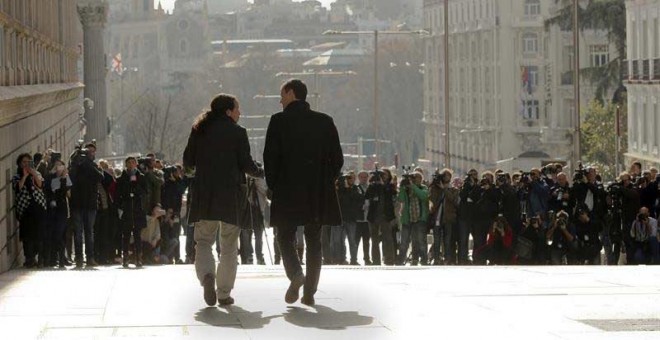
x: 169, y: 171
x: 580, y: 173
x: 408, y: 174
x: 144, y: 163
x: 437, y: 177
x: 376, y: 174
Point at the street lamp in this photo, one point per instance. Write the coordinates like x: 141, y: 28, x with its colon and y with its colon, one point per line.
x: 577, y: 4
x: 376, y: 33
x: 316, y: 75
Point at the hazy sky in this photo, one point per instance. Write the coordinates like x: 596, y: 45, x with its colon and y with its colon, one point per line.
x: 168, y: 5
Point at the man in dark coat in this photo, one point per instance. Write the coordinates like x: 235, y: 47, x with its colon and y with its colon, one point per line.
x: 302, y: 158
x: 86, y: 176
x: 219, y: 151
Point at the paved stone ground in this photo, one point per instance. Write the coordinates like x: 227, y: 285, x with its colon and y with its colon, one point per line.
x: 353, y: 303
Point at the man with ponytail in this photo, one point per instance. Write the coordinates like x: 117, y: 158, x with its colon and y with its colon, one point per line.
x: 219, y: 152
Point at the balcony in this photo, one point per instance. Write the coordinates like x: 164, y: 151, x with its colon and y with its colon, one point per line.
x: 626, y: 70
x: 656, y: 69
x: 646, y: 70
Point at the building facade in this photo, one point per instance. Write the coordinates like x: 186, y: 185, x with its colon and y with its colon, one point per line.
x: 510, y: 83
x: 643, y: 81
x: 40, y: 94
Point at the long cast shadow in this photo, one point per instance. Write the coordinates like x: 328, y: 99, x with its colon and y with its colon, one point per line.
x: 233, y: 317
x: 326, y: 318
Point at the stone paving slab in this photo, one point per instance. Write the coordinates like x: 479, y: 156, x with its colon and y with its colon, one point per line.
x: 359, y: 303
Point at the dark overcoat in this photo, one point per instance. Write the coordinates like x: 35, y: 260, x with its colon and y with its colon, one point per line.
x: 220, y: 155
x: 302, y: 159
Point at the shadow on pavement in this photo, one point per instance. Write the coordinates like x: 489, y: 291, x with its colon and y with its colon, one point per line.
x: 233, y: 317
x: 326, y: 318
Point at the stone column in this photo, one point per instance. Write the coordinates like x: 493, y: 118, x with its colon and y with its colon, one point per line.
x: 94, y: 15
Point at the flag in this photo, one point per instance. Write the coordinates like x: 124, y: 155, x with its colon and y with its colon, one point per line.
x: 117, y: 65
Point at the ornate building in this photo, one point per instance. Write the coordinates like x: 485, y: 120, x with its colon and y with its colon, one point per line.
x: 40, y: 103
x: 510, y: 83
x: 643, y: 81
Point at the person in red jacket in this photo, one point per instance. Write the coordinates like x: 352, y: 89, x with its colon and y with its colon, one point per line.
x: 500, y: 242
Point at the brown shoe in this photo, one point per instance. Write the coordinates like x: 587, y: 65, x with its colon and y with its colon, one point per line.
x: 226, y: 302
x: 293, y: 292
x: 209, y: 289
x: 309, y: 301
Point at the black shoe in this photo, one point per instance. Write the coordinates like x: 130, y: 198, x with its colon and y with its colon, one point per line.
x: 138, y: 264
x: 261, y: 262
x: 277, y: 262
x: 293, y: 292
x: 368, y: 263
x: 178, y: 261
x: 226, y: 302
x: 309, y: 301
x: 91, y: 263
x: 209, y: 290
x: 125, y: 262
x: 79, y: 264
x: 68, y: 262
x: 354, y: 263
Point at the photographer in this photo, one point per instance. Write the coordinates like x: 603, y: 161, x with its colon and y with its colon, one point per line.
x: 172, y: 199
x: 487, y: 197
x: 588, y: 193
x: 561, y: 236
x: 58, y: 190
x: 510, y: 203
x: 414, y: 216
x: 644, y: 233
x: 560, y: 195
x: 466, y: 208
x: 154, y: 180
x: 539, y: 194
x: 443, y: 217
x: 362, y: 233
x: 530, y: 246
x: 499, y: 247
x: 350, y: 203
x: 588, y: 243
x: 381, y: 193
x: 132, y: 202
x: 648, y: 191
x: 625, y: 204
x: 86, y: 177
x: 106, y: 216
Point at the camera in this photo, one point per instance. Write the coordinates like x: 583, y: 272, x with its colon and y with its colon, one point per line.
x: 580, y: 173
x: 501, y: 179
x: 144, y: 163
x: 642, y: 217
x: 437, y: 177
x: 169, y: 171
x: 55, y: 156
x: 376, y: 174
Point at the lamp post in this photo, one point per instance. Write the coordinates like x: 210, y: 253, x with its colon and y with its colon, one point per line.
x: 446, y: 86
x: 376, y: 34
x: 316, y: 75
x: 577, y: 4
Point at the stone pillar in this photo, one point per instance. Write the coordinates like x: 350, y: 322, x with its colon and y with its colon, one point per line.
x: 94, y: 15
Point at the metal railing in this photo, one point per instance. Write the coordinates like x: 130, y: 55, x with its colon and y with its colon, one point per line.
x: 646, y: 70
x: 656, y: 69
x: 635, y: 70
x: 626, y: 70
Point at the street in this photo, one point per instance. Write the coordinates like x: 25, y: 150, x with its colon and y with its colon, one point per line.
x: 585, y: 302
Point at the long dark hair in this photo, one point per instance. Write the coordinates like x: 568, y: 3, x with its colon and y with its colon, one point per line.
x: 20, y: 159
x: 219, y: 106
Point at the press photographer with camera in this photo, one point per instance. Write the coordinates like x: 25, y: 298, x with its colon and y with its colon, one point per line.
x: 172, y: 199
x: 560, y: 195
x: 530, y: 246
x: 57, y: 187
x: 539, y: 194
x: 648, y: 191
x: 588, y: 243
x: 488, y: 198
x: 499, y: 247
x: 561, y: 238
x: 443, y: 215
x: 466, y: 208
x: 644, y: 234
x: 350, y: 203
x: 362, y: 234
x: 624, y: 204
x: 414, y: 197
x: 132, y: 205
x: 589, y: 194
x: 509, y: 202
x: 86, y: 177
x: 381, y: 194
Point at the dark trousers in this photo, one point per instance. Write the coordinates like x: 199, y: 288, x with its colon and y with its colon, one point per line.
x: 479, y: 237
x: 362, y: 234
x: 246, y: 250
x: 286, y: 237
x: 126, y: 232
x: 104, y: 236
x: 57, y: 224
x: 31, y: 234
x: 382, y: 231
x: 326, y: 241
x: 84, y: 223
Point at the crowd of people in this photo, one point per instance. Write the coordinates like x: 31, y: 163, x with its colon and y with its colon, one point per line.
x: 86, y: 212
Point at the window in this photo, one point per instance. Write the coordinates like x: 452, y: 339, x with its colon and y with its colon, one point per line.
x: 183, y: 46
x: 530, y: 43
x: 600, y: 55
x: 643, y: 127
x: 532, y: 7
x: 656, y: 32
x: 531, y: 110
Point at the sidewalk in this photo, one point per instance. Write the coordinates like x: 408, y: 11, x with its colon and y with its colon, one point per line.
x: 353, y: 303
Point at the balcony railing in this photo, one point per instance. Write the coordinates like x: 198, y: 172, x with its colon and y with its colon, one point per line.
x: 635, y: 70
x: 656, y: 69
x: 646, y: 70
x: 626, y: 70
